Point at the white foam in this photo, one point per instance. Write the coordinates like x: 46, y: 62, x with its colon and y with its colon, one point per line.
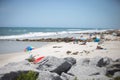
x: 42, y: 34
x: 29, y: 35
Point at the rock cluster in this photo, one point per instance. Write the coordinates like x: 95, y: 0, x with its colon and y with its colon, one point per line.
x: 52, y: 68
x: 66, y: 39
x: 114, y: 32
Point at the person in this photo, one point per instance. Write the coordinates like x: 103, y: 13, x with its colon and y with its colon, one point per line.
x: 84, y: 43
x: 102, y: 39
x: 102, y: 36
x: 99, y: 47
x: 75, y: 40
x: 90, y: 35
x: 31, y: 58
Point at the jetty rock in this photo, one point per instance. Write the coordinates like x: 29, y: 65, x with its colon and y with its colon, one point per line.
x: 69, y: 68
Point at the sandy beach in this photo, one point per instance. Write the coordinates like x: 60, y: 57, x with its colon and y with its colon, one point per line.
x: 82, y: 56
x: 110, y: 49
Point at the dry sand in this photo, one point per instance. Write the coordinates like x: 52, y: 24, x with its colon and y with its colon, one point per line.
x: 111, y: 49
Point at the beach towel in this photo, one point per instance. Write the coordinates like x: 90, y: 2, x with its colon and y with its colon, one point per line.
x: 38, y: 59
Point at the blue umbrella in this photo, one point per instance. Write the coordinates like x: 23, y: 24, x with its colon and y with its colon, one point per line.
x: 29, y: 48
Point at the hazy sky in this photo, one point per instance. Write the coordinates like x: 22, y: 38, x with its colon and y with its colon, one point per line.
x: 60, y: 13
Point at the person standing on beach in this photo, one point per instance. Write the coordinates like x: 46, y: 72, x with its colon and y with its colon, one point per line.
x: 90, y: 35
x: 101, y: 38
x: 75, y: 40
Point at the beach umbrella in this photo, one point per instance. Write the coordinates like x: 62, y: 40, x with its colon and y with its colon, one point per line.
x: 28, y: 48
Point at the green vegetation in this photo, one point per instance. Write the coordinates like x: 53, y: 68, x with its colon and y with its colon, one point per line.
x: 75, y: 78
x: 117, y: 78
x: 31, y: 75
x: 31, y: 59
x: 110, y: 76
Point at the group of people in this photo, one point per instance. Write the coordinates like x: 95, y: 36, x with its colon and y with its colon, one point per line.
x: 92, y: 37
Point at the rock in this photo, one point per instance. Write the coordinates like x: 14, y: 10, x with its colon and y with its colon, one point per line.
x: 64, y: 67
x: 53, y: 68
x: 94, y: 61
x: 118, y: 60
x: 13, y: 75
x: 65, y: 39
x: 85, y: 70
x: 113, y: 68
x: 71, y: 60
x: 66, y: 76
x: 88, y: 73
x: 46, y: 75
x: 104, y: 62
x: 17, y: 66
x: 83, y: 62
x: 57, y: 65
x: 116, y: 74
x: 42, y: 75
x: 114, y: 32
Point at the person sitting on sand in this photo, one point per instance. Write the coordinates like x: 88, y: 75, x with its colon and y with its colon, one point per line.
x: 31, y: 58
x: 84, y: 43
x: 96, y: 39
x: 99, y: 47
x: 75, y: 40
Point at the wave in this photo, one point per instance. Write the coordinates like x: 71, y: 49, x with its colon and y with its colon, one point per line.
x: 43, y: 34
x: 28, y: 35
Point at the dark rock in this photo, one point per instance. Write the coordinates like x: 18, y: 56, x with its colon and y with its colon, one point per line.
x: 64, y: 67
x: 113, y: 68
x: 118, y: 60
x: 70, y: 60
x: 66, y: 39
x: 104, y: 62
x: 95, y: 74
x: 111, y: 71
x: 57, y: 65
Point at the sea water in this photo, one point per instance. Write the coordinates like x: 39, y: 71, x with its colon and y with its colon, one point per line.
x: 41, y: 32
x: 7, y: 34
x: 7, y: 47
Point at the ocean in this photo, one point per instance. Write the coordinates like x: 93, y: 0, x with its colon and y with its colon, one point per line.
x: 9, y: 34
x: 30, y: 32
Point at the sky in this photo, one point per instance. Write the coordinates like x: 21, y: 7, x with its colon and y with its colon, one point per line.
x: 60, y: 13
